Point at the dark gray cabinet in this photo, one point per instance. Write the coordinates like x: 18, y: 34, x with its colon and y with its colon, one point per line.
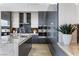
x: 37, y: 40
x: 24, y: 48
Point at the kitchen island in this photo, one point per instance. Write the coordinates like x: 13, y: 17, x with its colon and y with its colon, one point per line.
x: 19, y: 46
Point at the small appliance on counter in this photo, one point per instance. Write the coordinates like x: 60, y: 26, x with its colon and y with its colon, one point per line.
x: 14, y: 32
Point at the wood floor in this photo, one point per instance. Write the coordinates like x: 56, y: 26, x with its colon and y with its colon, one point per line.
x: 40, y: 50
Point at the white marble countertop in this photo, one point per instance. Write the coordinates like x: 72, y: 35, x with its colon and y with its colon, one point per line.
x: 11, y: 48
x: 24, y: 39
x: 71, y: 50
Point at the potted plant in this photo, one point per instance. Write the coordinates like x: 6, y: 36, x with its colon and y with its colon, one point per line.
x: 67, y: 30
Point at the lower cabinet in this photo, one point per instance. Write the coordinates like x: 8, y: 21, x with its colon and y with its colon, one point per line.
x: 37, y: 40
x: 24, y: 48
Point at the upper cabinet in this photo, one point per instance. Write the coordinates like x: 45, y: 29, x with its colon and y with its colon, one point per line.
x: 42, y: 18
x: 34, y: 20
x: 25, y: 18
x: 15, y: 19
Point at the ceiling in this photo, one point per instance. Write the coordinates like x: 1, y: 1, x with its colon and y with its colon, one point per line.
x: 28, y: 7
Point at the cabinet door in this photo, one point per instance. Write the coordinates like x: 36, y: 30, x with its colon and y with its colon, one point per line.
x: 29, y: 18
x: 25, y: 18
x: 34, y: 20
x: 21, y: 19
x: 35, y: 39
x: 24, y: 48
x: 15, y: 20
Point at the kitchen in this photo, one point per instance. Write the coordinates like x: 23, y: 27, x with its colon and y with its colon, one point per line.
x: 31, y: 29
x: 25, y: 25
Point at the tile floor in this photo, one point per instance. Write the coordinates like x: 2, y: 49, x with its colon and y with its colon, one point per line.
x: 40, y: 50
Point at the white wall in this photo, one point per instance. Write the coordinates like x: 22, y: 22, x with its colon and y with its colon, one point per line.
x: 77, y: 11
x: 15, y: 19
x: 68, y: 14
x: 34, y: 19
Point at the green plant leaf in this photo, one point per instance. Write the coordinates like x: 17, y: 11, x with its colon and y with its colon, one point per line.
x: 66, y: 29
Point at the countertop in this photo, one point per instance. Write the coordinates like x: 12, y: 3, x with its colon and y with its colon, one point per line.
x: 11, y: 48
x: 23, y: 39
x: 71, y: 50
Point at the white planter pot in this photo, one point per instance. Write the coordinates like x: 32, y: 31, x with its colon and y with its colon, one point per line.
x: 67, y: 39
